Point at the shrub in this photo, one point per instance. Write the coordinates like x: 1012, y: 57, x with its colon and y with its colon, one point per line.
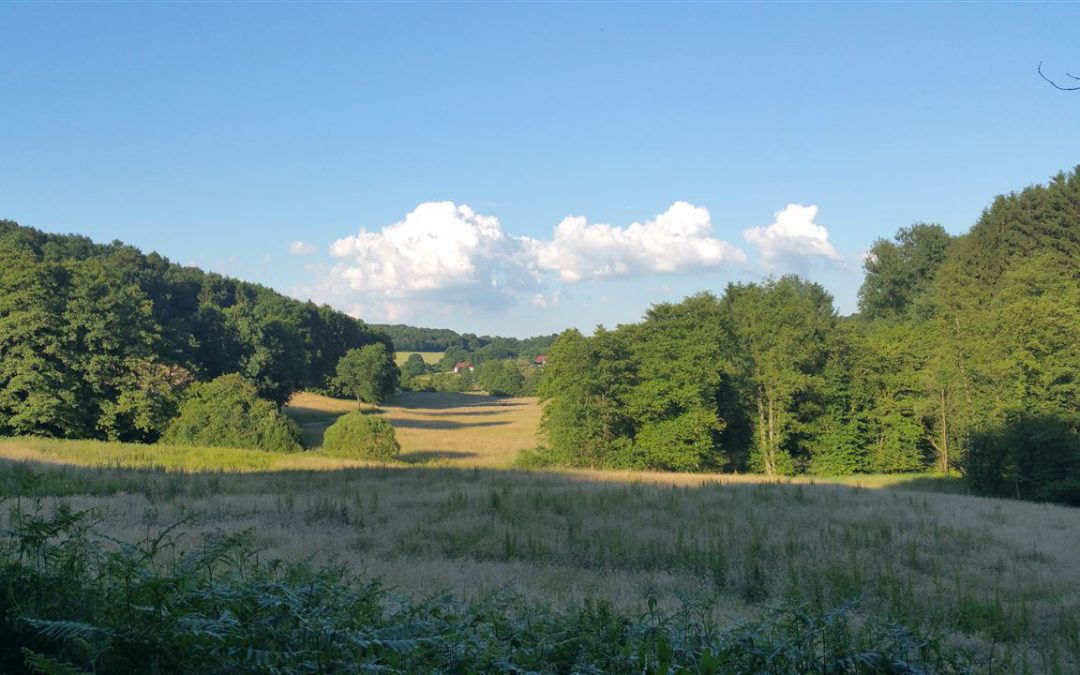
x: 362, y: 436
x: 227, y: 412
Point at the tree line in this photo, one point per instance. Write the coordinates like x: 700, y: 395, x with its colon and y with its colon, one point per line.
x: 964, y: 356
x: 467, y: 347
x: 102, y: 341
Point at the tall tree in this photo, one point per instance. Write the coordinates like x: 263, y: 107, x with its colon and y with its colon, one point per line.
x: 583, y: 389
x: 368, y: 373
x: 899, y: 272
x: 781, y: 327
x: 37, y: 384
x: 675, y: 401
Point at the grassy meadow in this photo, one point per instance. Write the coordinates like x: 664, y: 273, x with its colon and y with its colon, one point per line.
x: 429, y: 357
x: 1000, y: 580
x: 446, y: 429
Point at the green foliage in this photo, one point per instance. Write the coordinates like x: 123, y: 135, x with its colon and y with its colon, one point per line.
x: 452, y: 382
x: 583, y: 387
x: 681, y: 443
x: 501, y: 378
x: 361, y: 436
x: 780, y: 331
x: 99, y: 341
x: 645, y: 396
x: 414, y: 366
x: 955, y: 335
x: 467, y: 347
x: 368, y: 373
x: 75, y: 604
x: 1030, y: 457
x: 900, y: 272
x: 227, y: 412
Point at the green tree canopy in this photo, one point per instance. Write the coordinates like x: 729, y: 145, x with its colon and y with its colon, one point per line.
x: 227, y: 412
x: 899, y: 272
x: 368, y: 374
x: 780, y: 329
x: 501, y: 378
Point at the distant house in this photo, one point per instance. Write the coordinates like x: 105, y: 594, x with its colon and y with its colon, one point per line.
x: 540, y: 360
x: 462, y: 366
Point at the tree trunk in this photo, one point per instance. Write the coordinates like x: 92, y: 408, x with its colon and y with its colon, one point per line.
x: 763, y: 434
x: 944, y: 452
x: 772, y: 435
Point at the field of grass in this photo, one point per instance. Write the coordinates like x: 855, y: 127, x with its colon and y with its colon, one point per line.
x: 447, y: 429
x: 999, y: 579
x: 429, y: 357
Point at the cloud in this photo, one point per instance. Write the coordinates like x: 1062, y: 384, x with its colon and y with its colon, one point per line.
x: 301, y: 248
x: 541, y: 301
x: 792, y: 237
x: 440, y: 255
x: 675, y: 241
x: 446, y: 258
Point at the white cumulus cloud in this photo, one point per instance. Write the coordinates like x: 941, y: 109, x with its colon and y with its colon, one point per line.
x: 440, y: 255
x: 301, y: 248
x: 677, y: 240
x: 793, y: 236
x: 444, y: 258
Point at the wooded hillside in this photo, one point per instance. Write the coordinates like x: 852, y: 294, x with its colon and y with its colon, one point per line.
x: 100, y: 341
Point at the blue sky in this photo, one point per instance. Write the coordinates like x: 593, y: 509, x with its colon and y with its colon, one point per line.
x: 497, y: 155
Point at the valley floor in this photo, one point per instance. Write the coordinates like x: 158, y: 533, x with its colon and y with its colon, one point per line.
x: 996, y: 577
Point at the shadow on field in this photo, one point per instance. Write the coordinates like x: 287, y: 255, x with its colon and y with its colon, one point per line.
x: 431, y: 400
x: 463, y: 413
x: 422, y: 456
x: 303, y: 415
x: 442, y: 424
x: 954, y: 485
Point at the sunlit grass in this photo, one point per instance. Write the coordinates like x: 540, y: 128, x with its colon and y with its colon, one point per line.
x: 173, y: 458
x: 430, y: 358
x: 447, y: 429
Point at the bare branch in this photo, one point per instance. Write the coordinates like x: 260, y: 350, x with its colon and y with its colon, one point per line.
x: 1055, y: 84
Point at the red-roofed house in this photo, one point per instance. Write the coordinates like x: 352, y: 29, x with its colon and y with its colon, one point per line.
x: 540, y: 360
x: 462, y: 366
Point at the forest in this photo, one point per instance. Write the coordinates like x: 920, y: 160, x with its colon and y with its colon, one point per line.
x: 103, y: 341
x: 963, y: 357
x: 463, y: 347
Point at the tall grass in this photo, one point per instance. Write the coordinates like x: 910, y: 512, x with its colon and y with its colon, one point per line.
x: 160, y: 456
x: 996, y: 580
x: 80, y: 604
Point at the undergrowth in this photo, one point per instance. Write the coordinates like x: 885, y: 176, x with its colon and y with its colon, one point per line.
x: 74, y: 601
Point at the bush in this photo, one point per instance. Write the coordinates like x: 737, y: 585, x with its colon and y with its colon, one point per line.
x: 1034, y: 458
x: 361, y: 436
x: 227, y: 412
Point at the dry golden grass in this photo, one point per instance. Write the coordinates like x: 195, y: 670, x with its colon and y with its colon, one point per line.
x: 445, y: 429
x: 991, y: 574
x: 996, y: 577
x: 429, y: 357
